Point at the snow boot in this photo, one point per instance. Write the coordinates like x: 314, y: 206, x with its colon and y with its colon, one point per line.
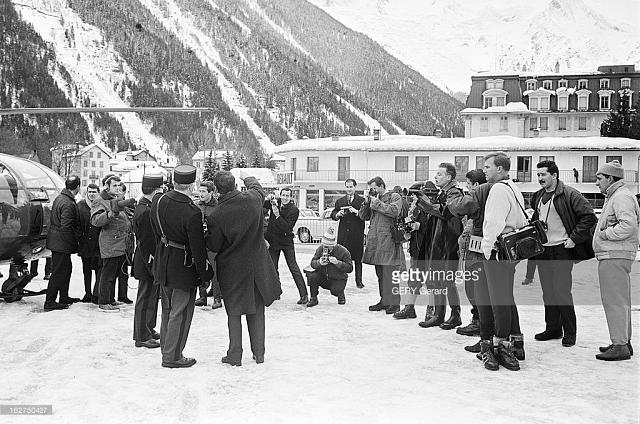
x: 505, y: 356
x: 487, y: 355
x: 312, y: 302
x: 436, y: 319
x: 408, y: 311
x: 473, y: 329
x: 454, y: 320
x: 603, y: 349
x: 474, y: 348
x: 615, y: 353
x: 517, y: 342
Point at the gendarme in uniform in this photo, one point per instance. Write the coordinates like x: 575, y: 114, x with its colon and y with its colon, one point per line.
x: 180, y: 263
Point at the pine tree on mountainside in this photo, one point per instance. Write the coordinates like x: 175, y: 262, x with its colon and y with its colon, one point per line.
x: 227, y: 161
x: 257, y: 163
x: 207, y: 174
x: 622, y: 122
x: 242, y: 162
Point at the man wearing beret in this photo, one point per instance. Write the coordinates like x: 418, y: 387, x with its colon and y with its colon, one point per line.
x: 146, y: 308
x: 62, y: 240
x: 180, y: 264
x: 615, y: 243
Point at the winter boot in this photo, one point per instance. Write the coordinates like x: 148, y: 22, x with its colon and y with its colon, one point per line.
x: 527, y: 281
x: 202, y: 301
x: 473, y: 329
x: 392, y: 309
x: 615, y: 353
x: 303, y: 300
x: 429, y: 313
x: 603, y: 349
x: 474, y: 348
x: 217, y: 303
x: 377, y: 307
x: 436, y: 319
x: 505, y: 356
x: 312, y: 302
x: 454, y: 320
x: 517, y: 342
x: 488, y: 356
x: 408, y: 311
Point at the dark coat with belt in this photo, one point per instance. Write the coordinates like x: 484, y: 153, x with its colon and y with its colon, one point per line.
x: 280, y: 230
x: 145, y: 241
x: 351, y: 228
x: 576, y: 215
x: 175, y: 215
x: 64, y: 229
x: 242, y: 261
x: 88, y: 243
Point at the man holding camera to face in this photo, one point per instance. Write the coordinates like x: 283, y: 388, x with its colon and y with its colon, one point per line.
x: 382, y: 208
x: 351, y: 228
x: 283, y: 215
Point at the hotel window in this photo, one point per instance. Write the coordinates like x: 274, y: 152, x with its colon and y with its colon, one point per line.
x: 533, y: 103
x: 101, y: 164
x: 625, y: 83
x: 422, y: 168
x: 484, y: 124
x: 582, y: 123
x: 524, y: 169
x: 93, y: 163
x: 563, y: 102
x: 504, y: 123
x: 479, y: 162
x: 563, y: 83
x: 500, y: 101
x: 198, y: 164
x: 551, y: 158
x: 344, y: 165
x: 583, y: 102
x: 544, y: 103
x: 90, y: 154
x: 85, y: 163
x: 313, y: 163
x: 544, y: 123
x: 531, y: 85
x: 547, y: 85
x: 462, y: 165
x: 489, y: 84
x: 604, y: 101
x: 488, y: 102
x: 604, y: 84
x: 99, y: 155
x: 533, y: 123
x: 101, y: 174
x: 582, y: 84
x: 562, y: 123
x: 589, y: 169
x: 611, y: 158
x: 402, y: 163
x: 85, y: 173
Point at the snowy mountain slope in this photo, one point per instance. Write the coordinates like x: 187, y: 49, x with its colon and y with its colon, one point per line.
x: 449, y: 40
x: 95, y: 68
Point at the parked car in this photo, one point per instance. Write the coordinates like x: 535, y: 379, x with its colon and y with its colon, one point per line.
x: 311, y: 225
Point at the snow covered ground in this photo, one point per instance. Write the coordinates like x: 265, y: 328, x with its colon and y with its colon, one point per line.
x: 330, y: 363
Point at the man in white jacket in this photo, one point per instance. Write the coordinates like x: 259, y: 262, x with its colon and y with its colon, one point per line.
x: 615, y: 244
x: 503, y: 214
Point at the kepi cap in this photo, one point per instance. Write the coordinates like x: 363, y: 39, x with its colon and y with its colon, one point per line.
x: 152, y: 180
x: 184, y: 174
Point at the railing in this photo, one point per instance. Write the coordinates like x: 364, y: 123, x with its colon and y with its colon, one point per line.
x: 392, y: 177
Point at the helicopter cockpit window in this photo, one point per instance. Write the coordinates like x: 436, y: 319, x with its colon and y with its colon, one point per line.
x: 33, y: 176
x: 8, y: 186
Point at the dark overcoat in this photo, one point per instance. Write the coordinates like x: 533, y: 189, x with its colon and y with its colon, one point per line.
x: 279, y: 232
x: 351, y: 228
x: 181, y: 222
x: 242, y: 261
x: 64, y: 228
x: 88, y: 244
x: 145, y: 241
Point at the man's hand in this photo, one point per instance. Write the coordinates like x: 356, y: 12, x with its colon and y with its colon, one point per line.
x: 275, y: 210
x: 324, y: 261
x: 569, y: 244
x: 340, y: 214
x: 353, y: 210
x: 333, y: 260
x: 415, y: 226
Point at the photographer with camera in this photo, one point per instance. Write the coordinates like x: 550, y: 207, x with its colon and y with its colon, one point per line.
x: 442, y: 252
x: 382, y: 208
x: 283, y: 215
x: 351, y: 228
x: 504, y: 215
x: 332, y: 264
x: 108, y: 213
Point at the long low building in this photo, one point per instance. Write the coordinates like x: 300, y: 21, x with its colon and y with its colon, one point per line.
x: 320, y: 166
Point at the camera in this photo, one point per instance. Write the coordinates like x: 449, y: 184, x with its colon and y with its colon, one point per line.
x: 273, y: 199
x: 428, y: 189
x: 373, y: 192
x: 325, y: 253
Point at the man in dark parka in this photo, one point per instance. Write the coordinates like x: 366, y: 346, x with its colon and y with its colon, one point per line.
x: 351, y: 228
x: 248, y: 279
x: 88, y: 248
x: 180, y: 264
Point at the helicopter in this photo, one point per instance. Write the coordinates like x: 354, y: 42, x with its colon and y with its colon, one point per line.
x: 27, y: 192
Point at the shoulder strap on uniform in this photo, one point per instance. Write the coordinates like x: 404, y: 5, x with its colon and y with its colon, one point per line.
x: 163, y: 237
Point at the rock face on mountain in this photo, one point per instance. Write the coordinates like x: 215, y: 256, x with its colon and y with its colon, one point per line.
x: 271, y: 70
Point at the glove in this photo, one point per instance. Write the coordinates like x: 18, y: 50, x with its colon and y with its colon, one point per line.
x: 119, y: 205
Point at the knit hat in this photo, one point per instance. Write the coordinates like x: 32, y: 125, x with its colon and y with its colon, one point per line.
x: 329, y: 237
x: 612, y: 168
